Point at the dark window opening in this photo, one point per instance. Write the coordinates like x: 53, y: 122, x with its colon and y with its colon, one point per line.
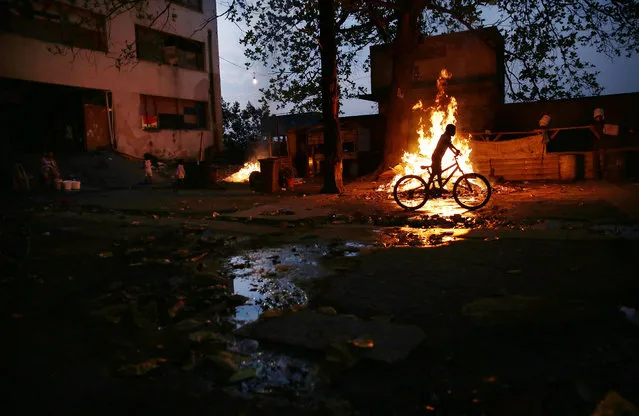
x: 162, y: 113
x: 164, y: 48
x: 349, y: 147
x: 190, y: 4
x: 61, y: 128
x: 56, y: 23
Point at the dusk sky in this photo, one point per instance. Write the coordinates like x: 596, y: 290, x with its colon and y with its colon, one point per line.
x: 616, y: 77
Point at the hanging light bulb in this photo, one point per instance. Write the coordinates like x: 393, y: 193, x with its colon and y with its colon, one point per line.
x: 254, y: 79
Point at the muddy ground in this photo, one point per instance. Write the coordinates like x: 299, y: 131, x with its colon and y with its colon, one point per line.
x: 127, y: 301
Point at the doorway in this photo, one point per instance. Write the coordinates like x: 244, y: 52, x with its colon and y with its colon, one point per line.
x: 39, y: 117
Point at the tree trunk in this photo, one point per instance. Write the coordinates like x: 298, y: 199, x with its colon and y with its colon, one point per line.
x: 330, y: 100
x: 396, y: 136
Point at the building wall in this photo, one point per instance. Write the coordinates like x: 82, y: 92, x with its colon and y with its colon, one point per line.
x: 619, y: 109
x: 30, y: 59
x: 363, y: 135
x: 622, y: 109
x: 476, y: 62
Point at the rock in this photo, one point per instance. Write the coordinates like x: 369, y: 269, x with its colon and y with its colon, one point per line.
x: 317, y: 331
x: 512, y: 309
x: 363, y: 342
x: 224, y: 361
x: 112, y: 313
x: 341, y: 355
x: 142, y: 368
x: 271, y: 313
x: 236, y: 300
x: 327, y: 310
x: 243, y: 374
x: 200, y: 336
x: 188, y: 324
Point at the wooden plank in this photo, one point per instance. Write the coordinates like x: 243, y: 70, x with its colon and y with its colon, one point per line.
x: 495, y: 163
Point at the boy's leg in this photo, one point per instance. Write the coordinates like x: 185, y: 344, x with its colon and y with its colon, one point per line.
x: 437, y: 173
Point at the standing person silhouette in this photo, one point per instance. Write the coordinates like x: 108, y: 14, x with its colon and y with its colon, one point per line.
x: 445, y: 142
x: 180, y: 174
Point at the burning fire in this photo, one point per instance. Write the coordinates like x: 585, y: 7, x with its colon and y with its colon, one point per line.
x: 432, y: 124
x: 242, y: 175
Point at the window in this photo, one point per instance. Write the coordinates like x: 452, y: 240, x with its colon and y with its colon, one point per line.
x: 162, y: 113
x: 56, y: 22
x: 164, y: 48
x: 190, y: 4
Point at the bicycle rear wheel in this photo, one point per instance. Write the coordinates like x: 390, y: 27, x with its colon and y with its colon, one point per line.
x: 411, y: 192
x: 472, y: 191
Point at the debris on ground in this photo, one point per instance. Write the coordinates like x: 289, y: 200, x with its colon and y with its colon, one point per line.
x: 141, y: 368
x: 278, y: 212
x: 511, y: 309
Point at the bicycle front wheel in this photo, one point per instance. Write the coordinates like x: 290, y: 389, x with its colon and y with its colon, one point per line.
x: 411, y: 192
x: 472, y: 191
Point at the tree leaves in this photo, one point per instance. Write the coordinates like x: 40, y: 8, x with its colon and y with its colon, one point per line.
x: 545, y: 41
x: 242, y: 126
x: 283, y: 36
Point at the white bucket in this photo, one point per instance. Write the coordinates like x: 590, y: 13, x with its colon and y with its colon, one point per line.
x: 545, y: 121
x: 68, y: 185
x: 75, y: 185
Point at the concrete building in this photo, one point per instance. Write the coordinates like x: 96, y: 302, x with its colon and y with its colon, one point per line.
x: 476, y: 61
x: 140, y: 81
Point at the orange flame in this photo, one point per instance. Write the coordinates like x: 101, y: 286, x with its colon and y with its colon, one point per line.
x: 432, y: 124
x: 242, y: 175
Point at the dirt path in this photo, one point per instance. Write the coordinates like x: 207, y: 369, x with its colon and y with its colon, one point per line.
x: 519, y: 303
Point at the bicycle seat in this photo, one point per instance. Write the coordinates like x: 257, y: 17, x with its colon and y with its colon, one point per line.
x: 425, y: 167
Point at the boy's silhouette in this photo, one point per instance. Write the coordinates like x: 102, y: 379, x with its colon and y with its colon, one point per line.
x: 445, y: 142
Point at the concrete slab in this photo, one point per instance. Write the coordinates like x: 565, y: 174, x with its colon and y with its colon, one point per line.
x: 316, y: 331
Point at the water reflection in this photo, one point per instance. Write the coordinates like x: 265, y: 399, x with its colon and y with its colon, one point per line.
x: 419, y: 237
x: 274, y: 372
x: 443, y: 206
x: 267, y: 277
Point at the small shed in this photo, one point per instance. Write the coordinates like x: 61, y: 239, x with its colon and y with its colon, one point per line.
x: 362, y: 138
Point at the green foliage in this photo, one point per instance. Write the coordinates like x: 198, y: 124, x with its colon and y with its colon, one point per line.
x: 544, y: 40
x: 242, y: 126
x: 283, y: 36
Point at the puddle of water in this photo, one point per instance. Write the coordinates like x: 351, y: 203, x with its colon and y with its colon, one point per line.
x: 419, y: 237
x: 267, y: 276
x: 630, y: 232
x: 275, y: 372
x: 445, y: 207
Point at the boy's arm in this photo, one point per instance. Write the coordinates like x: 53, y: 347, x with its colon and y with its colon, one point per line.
x: 454, y: 149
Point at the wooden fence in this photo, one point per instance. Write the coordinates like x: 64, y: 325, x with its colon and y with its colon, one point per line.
x: 526, y: 159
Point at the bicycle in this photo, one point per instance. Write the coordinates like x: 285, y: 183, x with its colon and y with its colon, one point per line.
x: 469, y: 185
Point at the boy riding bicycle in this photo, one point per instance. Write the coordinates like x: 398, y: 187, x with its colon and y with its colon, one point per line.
x: 445, y: 142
